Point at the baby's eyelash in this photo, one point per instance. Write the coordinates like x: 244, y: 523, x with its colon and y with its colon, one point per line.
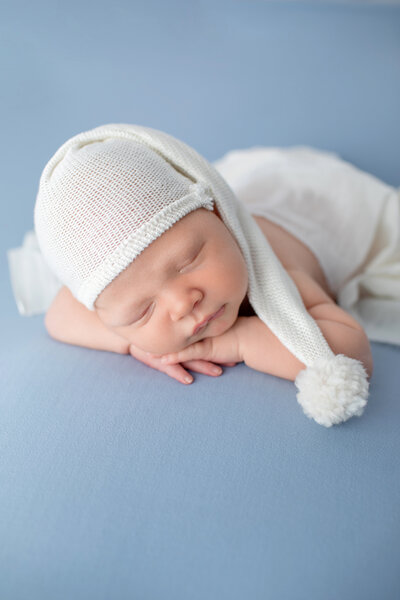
x: 187, y: 264
x: 142, y: 315
x: 138, y: 318
x: 192, y: 260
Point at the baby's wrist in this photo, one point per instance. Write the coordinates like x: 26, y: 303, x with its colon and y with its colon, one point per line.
x: 245, y: 331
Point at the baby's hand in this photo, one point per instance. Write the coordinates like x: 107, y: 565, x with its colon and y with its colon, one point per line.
x: 177, y: 371
x: 224, y: 349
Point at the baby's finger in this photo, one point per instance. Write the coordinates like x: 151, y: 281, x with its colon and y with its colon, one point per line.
x: 178, y: 372
x: 197, y: 351
x: 203, y: 366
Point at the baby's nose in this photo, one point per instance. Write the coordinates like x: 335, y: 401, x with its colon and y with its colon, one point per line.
x: 183, y: 303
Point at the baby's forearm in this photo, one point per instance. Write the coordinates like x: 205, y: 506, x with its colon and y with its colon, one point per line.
x: 69, y: 321
x: 261, y: 349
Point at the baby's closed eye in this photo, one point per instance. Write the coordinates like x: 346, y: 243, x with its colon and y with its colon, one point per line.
x: 146, y: 313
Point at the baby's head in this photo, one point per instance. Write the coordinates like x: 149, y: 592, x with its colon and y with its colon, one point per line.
x: 139, y: 239
x: 185, y: 275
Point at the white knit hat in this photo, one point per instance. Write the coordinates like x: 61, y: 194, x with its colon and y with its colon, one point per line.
x: 107, y: 193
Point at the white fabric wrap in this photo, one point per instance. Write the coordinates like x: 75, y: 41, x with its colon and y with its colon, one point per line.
x: 87, y: 249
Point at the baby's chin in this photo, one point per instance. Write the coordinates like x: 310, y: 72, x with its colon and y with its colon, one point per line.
x: 194, y: 339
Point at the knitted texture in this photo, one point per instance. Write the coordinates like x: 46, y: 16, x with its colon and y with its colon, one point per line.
x: 109, y: 192
x: 97, y: 209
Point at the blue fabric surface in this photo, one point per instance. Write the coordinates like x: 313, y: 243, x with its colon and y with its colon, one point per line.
x: 115, y: 480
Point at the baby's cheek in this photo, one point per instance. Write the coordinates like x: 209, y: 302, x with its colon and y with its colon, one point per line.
x: 153, y: 342
x: 134, y: 337
x: 156, y: 337
x: 124, y: 332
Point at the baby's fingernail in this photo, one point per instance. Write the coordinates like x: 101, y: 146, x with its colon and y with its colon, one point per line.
x: 164, y: 359
x: 216, y: 370
x: 188, y: 379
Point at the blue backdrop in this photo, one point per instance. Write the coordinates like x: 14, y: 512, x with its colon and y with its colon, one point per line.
x: 118, y: 482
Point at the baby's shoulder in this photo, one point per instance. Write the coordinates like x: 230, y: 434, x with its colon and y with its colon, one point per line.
x: 292, y: 253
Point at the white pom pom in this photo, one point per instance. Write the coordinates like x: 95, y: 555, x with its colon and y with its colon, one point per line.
x: 333, y: 390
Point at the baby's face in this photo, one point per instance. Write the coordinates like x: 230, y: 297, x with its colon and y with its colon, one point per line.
x: 185, y: 275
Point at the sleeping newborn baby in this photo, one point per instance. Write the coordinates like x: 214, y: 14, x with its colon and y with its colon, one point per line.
x: 190, y: 285
x: 159, y: 257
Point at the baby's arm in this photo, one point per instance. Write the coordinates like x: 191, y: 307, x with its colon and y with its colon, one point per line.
x: 261, y: 349
x: 69, y: 321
